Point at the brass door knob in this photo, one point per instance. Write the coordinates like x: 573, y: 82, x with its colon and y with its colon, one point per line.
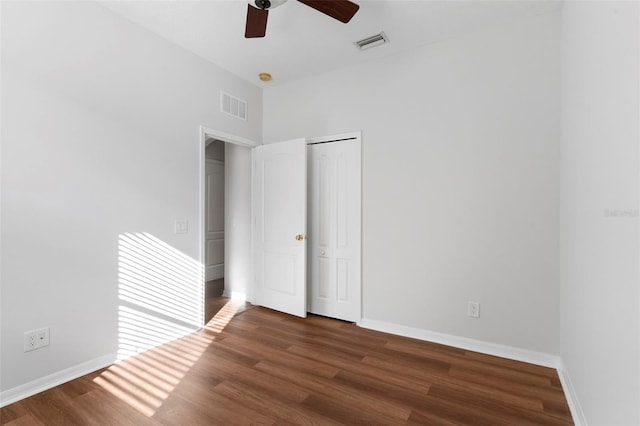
x: 300, y: 237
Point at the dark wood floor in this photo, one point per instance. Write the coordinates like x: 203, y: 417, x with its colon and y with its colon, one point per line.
x: 212, y: 302
x: 256, y: 366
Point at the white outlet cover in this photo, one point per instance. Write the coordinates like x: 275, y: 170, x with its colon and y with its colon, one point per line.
x: 473, y: 309
x: 36, y: 339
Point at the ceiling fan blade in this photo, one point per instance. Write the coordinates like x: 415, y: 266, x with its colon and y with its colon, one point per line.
x: 342, y: 10
x: 256, y: 22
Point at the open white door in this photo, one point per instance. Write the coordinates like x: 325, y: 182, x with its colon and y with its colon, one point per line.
x: 279, y: 203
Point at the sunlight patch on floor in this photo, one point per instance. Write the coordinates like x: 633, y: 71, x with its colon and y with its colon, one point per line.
x: 147, y: 379
x: 161, y: 297
x: 224, y: 315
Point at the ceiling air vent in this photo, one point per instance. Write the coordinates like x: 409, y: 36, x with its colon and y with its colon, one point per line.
x: 233, y: 106
x: 374, y: 40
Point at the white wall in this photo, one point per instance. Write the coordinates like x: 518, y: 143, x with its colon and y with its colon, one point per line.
x: 600, y: 334
x: 460, y: 179
x: 100, y: 137
x: 237, y: 199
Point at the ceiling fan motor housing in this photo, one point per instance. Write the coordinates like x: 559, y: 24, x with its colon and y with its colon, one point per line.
x: 263, y: 4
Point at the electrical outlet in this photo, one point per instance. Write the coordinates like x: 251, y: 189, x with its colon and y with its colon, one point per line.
x: 473, y: 309
x: 36, y: 339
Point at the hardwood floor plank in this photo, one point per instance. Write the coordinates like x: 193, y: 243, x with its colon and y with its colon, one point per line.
x: 406, y: 396
x: 284, y: 358
x: 188, y: 405
x: 53, y: 407
x: 328, y: 323
x: 273, y: 407
x: 235, y: 355
x: 492, y: 365
x: 428, y: 418
x: 328, y: 335
x: 462, y: 414
x: 294, y: 334
x: 419, y: 347
x: 324, y: 388
x: 363, y: 370
x: 494, y: 405
x: 410, y: 360
x: 557, y: 408
x: 326, y: 354
x: 272, y: 340
x: 26, y: 420
x: 523, y: 377
x: 512, y: 364
x: 423, y: 374
x: 13, y: 412
x: 98, y: 407
x: 544, y: 393
x: 345, y: 414
x: 271, y: 385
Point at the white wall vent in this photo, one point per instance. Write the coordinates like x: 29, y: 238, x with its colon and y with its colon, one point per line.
x: 233, y: 106
x: 374, y: 40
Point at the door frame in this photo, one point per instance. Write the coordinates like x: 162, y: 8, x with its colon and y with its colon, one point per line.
x: 357, y: 135
x: 204, y: 133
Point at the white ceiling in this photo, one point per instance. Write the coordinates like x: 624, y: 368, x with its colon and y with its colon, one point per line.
x: 301, y: 41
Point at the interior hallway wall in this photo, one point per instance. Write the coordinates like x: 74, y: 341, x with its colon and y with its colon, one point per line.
x: 237, y: 195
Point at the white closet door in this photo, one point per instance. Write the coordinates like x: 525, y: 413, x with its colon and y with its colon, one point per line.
x: 280, y: 217
x: 334, y: 238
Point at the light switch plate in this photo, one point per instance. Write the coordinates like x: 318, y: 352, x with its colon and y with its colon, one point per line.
x: 181, y: 227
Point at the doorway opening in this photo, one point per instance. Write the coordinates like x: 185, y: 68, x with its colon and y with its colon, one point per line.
x: 225, y: 218
x: 214, y: 222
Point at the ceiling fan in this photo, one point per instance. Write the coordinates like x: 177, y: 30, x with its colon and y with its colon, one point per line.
x: 342, y: 10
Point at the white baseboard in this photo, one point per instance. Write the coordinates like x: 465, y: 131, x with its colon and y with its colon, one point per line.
x: 572, y: 397
x: 42, y: 384
x: 234, y: 295
x: 518, y: 354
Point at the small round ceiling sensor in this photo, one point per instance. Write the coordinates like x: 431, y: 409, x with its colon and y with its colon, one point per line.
x: 265, y: 76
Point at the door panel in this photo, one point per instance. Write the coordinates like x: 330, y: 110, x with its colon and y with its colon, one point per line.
x: 323, y: 266
x: 279, y: 273
x: 279, y: 199
x: 342, y: 280
x: 334, y: 236
x: 343, y: 205
x: 215, y: 252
